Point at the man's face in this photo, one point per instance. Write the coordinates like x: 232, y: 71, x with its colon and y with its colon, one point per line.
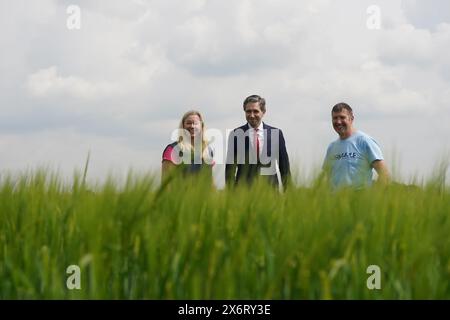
x: 342, y: 123
x: 253, y: 114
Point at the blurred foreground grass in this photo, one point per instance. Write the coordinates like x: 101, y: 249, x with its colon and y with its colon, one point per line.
x: 184, y: 240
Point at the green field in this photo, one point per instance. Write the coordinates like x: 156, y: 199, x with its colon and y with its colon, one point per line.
x: 137, y: 240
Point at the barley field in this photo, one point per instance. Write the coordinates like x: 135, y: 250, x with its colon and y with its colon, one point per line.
x: 186, y: 240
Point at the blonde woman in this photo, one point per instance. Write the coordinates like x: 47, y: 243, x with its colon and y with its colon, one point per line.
x: 191, y: 152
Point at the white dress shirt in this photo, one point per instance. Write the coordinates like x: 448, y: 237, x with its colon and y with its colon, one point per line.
x: 260, y: 136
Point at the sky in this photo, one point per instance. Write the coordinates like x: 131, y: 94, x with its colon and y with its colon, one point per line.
x: 117, y: 86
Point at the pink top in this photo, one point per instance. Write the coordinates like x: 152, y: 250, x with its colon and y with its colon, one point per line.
x: 169, y: 155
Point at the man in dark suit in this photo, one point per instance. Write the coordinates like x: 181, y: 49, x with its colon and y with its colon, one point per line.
x: 256, y: 149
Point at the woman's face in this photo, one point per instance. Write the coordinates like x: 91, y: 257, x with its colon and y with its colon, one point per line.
x: 193, y: 124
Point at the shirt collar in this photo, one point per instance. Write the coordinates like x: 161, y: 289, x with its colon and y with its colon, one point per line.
x: 260, y: 127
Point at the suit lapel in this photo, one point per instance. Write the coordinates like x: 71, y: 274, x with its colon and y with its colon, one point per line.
x: 246, y: 127
x: 267, y: 141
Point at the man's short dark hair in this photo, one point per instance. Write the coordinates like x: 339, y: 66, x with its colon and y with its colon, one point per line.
x: 256, y: 98
x: 341, y: 106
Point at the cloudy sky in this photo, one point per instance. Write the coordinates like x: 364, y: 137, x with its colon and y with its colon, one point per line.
x: 119, y: 85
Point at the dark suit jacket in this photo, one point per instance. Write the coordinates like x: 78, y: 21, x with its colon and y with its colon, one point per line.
x: 242, y: 164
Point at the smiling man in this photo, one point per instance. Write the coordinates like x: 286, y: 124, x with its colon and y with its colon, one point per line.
x: 256, y: 149
x: 350, y: 160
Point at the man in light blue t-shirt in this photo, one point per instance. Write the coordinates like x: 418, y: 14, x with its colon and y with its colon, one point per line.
x: 350, y: 159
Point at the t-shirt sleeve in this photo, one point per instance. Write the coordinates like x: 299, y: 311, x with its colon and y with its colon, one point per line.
x: 168, y: 154
x: 373, y: 150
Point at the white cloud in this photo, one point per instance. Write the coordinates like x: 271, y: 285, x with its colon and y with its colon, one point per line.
x: 416, y: 47
x: 407, y: 45
x: 427, y: 14
x: 47, y: 82
x: 67, y: 150
x: 123, y: 81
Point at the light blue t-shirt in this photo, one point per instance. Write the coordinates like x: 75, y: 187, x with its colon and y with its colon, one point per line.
x: 349, y: 161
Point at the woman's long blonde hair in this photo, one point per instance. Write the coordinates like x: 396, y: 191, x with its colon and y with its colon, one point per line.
x: 186, y: 146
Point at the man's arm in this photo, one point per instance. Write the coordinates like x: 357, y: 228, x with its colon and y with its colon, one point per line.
x: 284, y: 166
x: 382, y: 171
x: 230, y: 166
